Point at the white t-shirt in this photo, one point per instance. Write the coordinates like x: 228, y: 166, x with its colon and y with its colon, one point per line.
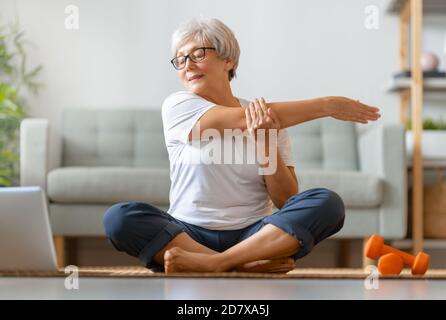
x: 216, y: 196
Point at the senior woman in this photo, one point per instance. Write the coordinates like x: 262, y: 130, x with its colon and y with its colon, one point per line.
x: 220, y: 216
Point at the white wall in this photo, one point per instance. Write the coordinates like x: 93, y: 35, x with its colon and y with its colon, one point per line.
x: 291, y: 49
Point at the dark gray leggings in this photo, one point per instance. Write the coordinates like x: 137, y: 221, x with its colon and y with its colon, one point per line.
x: 142, y: 230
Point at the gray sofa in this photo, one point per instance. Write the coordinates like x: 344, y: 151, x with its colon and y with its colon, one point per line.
x: 110, y: 156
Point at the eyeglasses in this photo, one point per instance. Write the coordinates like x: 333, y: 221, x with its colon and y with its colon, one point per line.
x: 196, y: 56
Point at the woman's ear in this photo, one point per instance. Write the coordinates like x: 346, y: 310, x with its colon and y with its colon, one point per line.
x: 229, y: 65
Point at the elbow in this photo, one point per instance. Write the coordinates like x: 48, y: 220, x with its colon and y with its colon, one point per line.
x: 279, y: 203
x: 292, y: 192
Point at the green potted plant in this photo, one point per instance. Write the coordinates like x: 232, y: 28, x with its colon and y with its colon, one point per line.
x: 15, y: 81
x: 433, y: 139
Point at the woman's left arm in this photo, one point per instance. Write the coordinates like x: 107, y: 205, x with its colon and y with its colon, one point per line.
x: 282, y: 182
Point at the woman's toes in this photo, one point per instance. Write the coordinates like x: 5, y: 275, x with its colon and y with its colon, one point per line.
x: 170, y: 257
x: 172, y: 253
x: 167, y: 256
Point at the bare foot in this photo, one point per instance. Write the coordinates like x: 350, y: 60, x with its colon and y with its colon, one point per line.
x: 180, y: 260
x: 282, y: 265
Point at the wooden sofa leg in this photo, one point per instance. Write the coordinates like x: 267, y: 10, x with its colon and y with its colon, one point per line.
x: 71, y: 251
x: 59, y: 243
x: 344, y: 253
x: 366, y: 261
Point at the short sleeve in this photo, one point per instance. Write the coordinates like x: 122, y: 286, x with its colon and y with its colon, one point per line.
x: 284, y: 146
x: 180, y: 112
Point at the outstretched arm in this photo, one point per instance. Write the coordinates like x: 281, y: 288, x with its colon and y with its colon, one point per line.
x: 342, y: 108
x: 291, y: 113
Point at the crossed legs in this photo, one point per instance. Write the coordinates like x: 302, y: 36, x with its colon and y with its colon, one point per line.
x: 137, y: 228
x: 268, y: 250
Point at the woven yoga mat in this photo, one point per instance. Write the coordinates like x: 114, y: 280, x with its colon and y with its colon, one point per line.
x: 299, y: 273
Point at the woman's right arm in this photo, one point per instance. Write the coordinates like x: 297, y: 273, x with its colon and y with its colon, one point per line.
x: 291, y: 113
x: 341, y: 108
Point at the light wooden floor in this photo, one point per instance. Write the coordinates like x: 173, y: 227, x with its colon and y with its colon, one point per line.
x: 226, y: 289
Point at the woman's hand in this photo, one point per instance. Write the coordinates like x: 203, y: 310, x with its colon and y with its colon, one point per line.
x: 346, y: 109
x: 259, y: 116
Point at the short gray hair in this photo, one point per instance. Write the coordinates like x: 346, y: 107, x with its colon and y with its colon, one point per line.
x: 212, y: 31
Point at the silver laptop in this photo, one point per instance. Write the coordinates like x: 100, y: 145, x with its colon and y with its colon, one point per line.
x: 26, y: 241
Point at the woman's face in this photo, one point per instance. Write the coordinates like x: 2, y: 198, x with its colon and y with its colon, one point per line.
x: 204, y: 76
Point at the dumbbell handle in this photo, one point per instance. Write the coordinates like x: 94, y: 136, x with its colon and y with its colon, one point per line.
x: 407, y: 258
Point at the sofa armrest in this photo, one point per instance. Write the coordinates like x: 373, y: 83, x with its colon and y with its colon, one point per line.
x: 33, y: 152
x: 382, y: 152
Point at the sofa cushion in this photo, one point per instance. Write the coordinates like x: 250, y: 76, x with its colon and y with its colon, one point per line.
x: 109, y: 185
x: 115, y: 184
x: 326, y: 144
x: 358, y: 190
x: 117, y: 137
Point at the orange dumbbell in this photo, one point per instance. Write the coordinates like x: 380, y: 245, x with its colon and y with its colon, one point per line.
x: 393, y: 260
x: 390, y: 264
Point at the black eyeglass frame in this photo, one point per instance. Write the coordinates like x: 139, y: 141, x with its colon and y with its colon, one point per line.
x: 189, y: 57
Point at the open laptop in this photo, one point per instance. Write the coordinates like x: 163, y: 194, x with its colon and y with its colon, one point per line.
x: 26, y: 241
